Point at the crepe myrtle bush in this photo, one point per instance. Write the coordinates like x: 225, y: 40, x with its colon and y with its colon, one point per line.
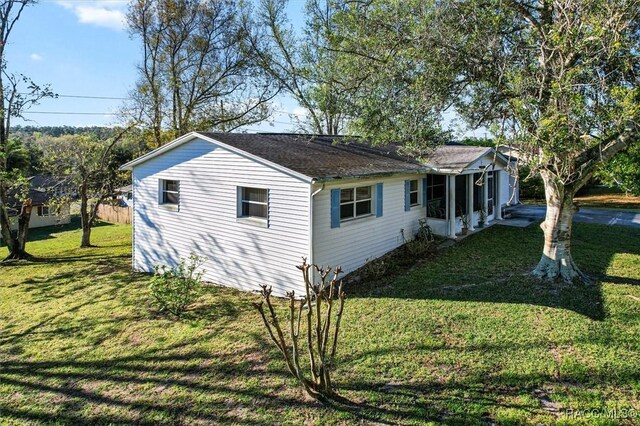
x: 320, y: 330
x: 174, y: 289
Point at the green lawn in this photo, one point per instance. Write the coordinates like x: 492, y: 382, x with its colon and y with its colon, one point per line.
x: 465, y: 338
x: 601, y: 197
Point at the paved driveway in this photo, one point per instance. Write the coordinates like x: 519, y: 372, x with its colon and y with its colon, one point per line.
x: 534, y: 213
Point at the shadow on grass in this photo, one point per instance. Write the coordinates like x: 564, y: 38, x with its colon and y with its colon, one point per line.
x: 138, y: 389
x: 494, y: 266
x: 88, y: 392
x: 47, y: 232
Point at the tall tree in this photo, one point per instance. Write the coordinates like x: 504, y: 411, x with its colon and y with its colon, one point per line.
x: 302, y: 61
x: 89, y: 165
x: 17, y: 93
x: 194, y: 74
x: 557, y: 79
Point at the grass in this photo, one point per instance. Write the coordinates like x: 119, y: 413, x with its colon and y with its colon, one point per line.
x: 602, y: 197
x: 608, y: 198
x: 466, y: 338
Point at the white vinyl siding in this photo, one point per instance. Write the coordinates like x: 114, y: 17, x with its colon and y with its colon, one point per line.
x: 509, y: 193
x: 357, y: 241
x: 239, y: 254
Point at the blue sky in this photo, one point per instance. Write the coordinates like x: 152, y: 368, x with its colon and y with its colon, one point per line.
x: 82, y: 48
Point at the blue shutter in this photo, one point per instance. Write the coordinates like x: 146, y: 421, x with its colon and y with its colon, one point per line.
x: 424, y: 192
x: 378, y: 199
x: 407, y: 197
x: 335, y: 208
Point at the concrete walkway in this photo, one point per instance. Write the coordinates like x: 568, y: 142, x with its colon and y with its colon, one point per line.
x: 525, y: 214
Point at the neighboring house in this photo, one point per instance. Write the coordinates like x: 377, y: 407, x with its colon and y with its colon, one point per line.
x: 124, y: 196
x: 42, y: 189
x: 254, y: 204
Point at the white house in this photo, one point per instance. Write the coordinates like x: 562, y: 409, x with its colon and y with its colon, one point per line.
x: 254, y: 204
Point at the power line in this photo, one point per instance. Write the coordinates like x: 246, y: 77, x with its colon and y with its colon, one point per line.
x: 93, y: 97
x: 57, y: 95
x: 115, y: 113
x: 282, y: 111
x: 70, y: 113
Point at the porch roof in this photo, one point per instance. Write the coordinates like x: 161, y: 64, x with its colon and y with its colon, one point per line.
x: 456, y: 159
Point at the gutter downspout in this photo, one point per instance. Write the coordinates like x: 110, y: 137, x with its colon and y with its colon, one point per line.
x: 311, y: 195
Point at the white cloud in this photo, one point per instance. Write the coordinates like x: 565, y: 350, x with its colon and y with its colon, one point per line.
x: 36, y: 57
x: 108, y: 14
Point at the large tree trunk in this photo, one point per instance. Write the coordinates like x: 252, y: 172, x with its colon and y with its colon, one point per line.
x: 86, y: 237
x: 556, y: 262
x: 23, y: 230
x: 5, y: 229
x: 15, y: 244
x: 85, y: 220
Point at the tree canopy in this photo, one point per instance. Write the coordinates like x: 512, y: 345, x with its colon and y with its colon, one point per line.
x: 557, y: 80
x: 194, y: 73
x: 301, y: 61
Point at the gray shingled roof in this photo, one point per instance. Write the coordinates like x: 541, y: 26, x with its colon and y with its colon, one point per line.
x: 321, y: 157
x: 455, y: 157
x: 40, y: 187
x: 336, y: 157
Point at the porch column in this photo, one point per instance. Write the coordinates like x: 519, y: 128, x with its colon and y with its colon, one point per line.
x: 497, y: 195
x: 452, y: 206
x: 485, y: 195
x: 470, y: 201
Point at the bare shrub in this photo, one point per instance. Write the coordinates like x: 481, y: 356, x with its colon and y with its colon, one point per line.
x: 321, y: 328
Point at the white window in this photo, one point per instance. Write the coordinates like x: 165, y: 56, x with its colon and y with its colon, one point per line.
x: 169, y: 192
x: 253, y: 203
x: 413, y: 192
x: 355, y: 202
x: 44, y: 211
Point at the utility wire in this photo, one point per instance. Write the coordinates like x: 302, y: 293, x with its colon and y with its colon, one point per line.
x: 57, y: 95
x: 70, y: 113
x: 282, y: 111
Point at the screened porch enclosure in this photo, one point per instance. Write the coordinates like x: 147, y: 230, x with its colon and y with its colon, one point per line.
x: 449, y: 197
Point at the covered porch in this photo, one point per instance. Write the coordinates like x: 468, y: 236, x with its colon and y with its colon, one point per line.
x: 464, y: 192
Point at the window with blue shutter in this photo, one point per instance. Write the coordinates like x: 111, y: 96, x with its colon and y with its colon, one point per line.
x: 335, y: 208
x: 378, y: 199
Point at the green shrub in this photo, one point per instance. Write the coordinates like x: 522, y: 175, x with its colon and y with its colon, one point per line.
x: 419, y: 248
x: 175, y: 289
x: 531, y: 187
x: 375, y: 269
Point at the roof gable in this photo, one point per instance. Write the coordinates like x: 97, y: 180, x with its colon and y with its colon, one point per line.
x: 203, y: 136
x: 456, y: 158
x: 308, y: 157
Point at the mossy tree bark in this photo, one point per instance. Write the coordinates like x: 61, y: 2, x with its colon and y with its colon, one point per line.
x: 556, y: 262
